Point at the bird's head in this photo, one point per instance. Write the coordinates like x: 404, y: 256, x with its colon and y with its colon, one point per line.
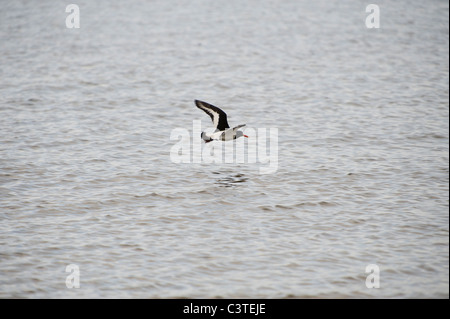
x: 240, y: 133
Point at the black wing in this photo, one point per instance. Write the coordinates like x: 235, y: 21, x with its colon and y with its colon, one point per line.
x: 218, y: 116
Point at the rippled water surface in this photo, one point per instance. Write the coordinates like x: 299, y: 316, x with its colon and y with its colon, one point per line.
x: 86, y: 175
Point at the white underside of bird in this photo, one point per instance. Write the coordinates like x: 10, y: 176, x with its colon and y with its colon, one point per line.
x: 227, y: 135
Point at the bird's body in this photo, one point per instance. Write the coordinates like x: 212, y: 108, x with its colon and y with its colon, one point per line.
x: 223, y: 131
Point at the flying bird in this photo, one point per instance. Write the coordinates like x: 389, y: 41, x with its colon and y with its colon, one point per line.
x: 223, y: 131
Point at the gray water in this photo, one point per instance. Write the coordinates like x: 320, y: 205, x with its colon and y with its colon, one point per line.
x: 86, y: 176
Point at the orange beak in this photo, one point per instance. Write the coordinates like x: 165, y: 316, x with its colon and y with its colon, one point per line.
x: 246, y: 136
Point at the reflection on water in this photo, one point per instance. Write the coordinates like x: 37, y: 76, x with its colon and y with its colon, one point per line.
x: 231, y: 180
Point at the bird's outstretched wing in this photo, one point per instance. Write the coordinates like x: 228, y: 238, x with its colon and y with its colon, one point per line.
x: 231, y: 133
x: 238, y: 127
x: 218, y: 116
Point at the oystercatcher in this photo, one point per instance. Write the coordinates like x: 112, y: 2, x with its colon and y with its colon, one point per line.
x: 223, y: 131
